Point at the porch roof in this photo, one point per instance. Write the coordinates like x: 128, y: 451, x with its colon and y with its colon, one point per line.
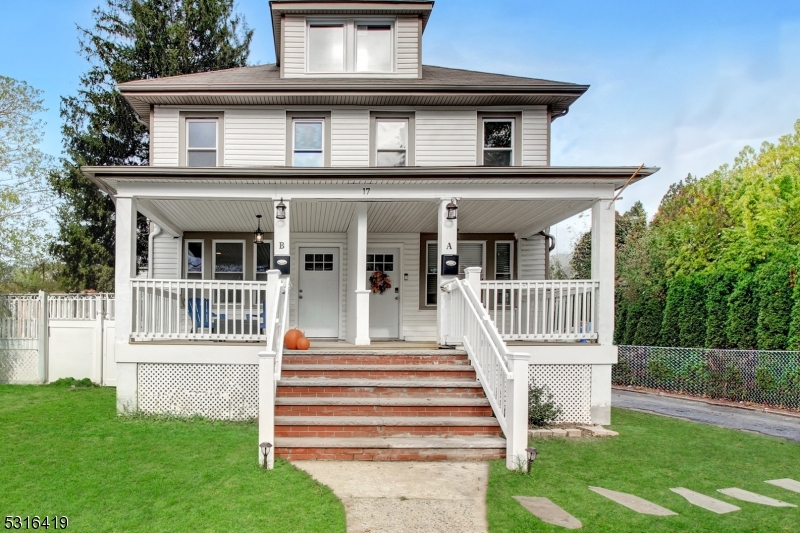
x: 108, y: 177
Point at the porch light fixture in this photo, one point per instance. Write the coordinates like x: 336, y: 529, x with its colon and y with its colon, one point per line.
x: 531, y: 457
x: 265, y: 448
x: 258, y: 234
x: 451, y: 209
x: 280, y: 210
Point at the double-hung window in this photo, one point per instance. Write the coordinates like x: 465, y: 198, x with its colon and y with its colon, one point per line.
x: 229, y: 260
x: 308, y: 142
x: 470, y: 254
x: 503, y: 260
x: 498, y: 142
x: 201, y: 142
x: 338, y: 46
x: 391, y: 142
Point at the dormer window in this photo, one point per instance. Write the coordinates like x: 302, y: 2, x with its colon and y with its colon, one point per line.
x: 346, y: 46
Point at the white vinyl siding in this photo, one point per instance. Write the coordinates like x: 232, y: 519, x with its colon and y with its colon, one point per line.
x: 532, y: 258
x: 255, y: 137
x: 534, y: 136
x: 408, y: 29
x: 165, y: 256
x: 165, y: 137
x: 446, y: 138
x: 350, y: 138
x: 294, y: 45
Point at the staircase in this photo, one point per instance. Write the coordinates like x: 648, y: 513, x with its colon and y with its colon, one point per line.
x: 410, y: 405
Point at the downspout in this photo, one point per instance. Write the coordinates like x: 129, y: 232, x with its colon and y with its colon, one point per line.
x: 155, y: 230
x: 551, y: 247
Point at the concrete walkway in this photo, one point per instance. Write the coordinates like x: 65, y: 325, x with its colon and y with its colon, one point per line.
x: 730, y: 417
x: 407, y: 497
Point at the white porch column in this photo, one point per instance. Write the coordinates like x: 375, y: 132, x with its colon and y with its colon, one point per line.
x: 603, y: 256
x: 517, y: 411
x: 266, y: 405
x: 125, y: 270
x: 448, y: 245
x: 357, y: 293
x: 281, y: 236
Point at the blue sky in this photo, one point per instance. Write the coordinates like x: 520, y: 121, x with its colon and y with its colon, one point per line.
x: 678, y: 84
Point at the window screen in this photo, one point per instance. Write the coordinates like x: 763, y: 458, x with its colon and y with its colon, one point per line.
x: 229, y: 260
x: 502, y: 260
x: 498, y: 143
x: 308, y: 143
x: 262, y: 261
x: 326, y: 48
x: 374, y: 48
x: 201, y: 143
x: 194, y: 260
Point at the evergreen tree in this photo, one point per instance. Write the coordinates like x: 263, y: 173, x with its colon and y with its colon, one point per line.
x: 720, y: 286
x: 743, y: 314
x: 130, y: 40
x: 775, y: 304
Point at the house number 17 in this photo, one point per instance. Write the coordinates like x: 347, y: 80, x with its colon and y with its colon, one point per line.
x: 366, y: 190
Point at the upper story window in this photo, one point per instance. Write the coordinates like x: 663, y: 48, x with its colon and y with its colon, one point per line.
x: 307, y: 143
x: 391, y: 142
x: 498, y: 142
x: 350, y: 46
x: 201, y: 142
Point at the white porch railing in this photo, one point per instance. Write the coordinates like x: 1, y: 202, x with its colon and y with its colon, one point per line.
x: 200, y: 310
x: 503, y: 375
x: 542, y: 310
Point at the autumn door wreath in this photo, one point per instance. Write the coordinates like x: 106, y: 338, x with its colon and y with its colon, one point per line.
x: 380, y: 282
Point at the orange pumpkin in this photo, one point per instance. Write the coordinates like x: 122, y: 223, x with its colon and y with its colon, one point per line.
x: 290, y: 339
x: 303, y: 343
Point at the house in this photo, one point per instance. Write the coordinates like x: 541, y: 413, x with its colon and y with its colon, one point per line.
x: 384, y: 207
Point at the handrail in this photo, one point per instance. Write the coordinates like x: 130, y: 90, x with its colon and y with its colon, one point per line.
x: 280, y: 325
x: 486, y: 350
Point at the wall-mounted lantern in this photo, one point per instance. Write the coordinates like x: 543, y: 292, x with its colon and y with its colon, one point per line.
x: 280, y: 210
x: 258, y: 234
x: 452, y: 207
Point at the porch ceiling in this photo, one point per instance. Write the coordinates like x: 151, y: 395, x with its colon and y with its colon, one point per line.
x: 523, y: 217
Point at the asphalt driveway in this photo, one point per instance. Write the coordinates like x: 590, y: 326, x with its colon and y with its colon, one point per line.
x: 730, y: 417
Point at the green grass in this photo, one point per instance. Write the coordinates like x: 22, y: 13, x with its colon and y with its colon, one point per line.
x: 652, y: 454
x: 65, y: 452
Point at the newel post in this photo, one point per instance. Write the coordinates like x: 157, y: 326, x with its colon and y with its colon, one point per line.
x: 473, y: 277
x: 266, y: 405
x: 517, y: 411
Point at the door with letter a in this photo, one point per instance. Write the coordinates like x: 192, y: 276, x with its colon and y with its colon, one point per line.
x: 384, y: 307
x: 318, y: 292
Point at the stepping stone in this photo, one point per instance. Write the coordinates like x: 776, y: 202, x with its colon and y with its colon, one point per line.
x: 788, y: 484
x: 752, y: 497
x: 706, y: 502
x: 634, y: 503
x: 547, y: 511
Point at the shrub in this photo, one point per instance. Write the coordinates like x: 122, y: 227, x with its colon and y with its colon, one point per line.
x: 73, y: 383
x: 742, y: 314
x: 692, y: 313
x: 719, y: 291
x: 648, y: 326
x: 542, y: 408
x: 774, y: 294
x: 671, y: 324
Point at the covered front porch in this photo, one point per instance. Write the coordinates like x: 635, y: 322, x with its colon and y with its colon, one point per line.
x: 358, y: 271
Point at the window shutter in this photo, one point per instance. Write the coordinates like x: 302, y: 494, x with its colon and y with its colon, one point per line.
x: 502, y: 263
x: 470, y: 254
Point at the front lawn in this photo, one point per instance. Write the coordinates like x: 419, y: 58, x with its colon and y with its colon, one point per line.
x: 652, y: 454
x: 65, y: 452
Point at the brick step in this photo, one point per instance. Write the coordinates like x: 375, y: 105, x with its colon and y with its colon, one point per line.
x: 376, y: 371
x: 377, y: 426
x: 382, y: 407
x: 379, y: 388
x: 476, y: 448
x: 431, y: 357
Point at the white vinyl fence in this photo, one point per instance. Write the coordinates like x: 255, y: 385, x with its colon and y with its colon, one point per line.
x: 74, y: 338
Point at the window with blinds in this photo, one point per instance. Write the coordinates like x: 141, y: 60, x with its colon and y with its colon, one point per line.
x: 470, y: 254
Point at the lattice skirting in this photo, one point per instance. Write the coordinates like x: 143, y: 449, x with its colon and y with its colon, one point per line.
x: 19, y: 365
x: 220, y: 392
x: 571, y: 386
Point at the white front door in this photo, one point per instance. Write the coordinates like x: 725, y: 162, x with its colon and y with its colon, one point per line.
x: 384, y: 308
x: 318, y: 293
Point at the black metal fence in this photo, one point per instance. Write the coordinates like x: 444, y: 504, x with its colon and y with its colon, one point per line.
x: 764, y: 377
